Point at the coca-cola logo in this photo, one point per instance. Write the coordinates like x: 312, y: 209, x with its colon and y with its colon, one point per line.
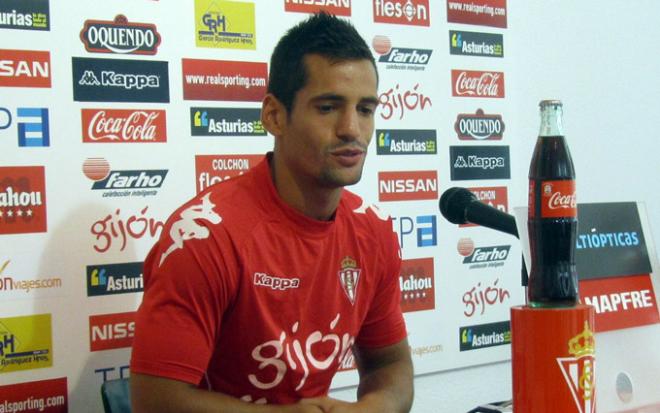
x: 120, y: 36
x: 560, y: 199
x: 467, y: 83
x: 479, y: 126
x: 123, y: 126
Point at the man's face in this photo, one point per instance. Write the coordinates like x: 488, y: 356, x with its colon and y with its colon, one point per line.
x: 325, y: 137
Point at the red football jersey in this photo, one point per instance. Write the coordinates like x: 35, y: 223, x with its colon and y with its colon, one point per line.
x: 261, y: 301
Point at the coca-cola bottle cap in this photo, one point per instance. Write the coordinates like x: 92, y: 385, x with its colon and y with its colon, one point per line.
x: 550, y: 102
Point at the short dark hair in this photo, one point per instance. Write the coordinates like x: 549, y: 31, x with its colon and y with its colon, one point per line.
x: 321, y: 34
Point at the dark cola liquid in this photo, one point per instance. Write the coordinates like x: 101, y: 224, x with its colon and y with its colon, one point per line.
x: 553, y: 279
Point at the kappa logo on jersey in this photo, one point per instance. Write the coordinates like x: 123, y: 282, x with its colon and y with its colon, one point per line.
x: 22, y: 200
x: 336, y: 7
x: 186, y: 228
x: 410, y: 12
x: 211, y: 169
x: 479, y: 126
x: 483, y: 13
x: 407, y: 185
x: 117, y: 80
x: 123, y: 126
x: 24, y: 68
x: 24, y: 15
x: 349, y: 276
x: 416, y: 284
x: 399, y: 57
x: 275, y: 283
x: 120, y: 36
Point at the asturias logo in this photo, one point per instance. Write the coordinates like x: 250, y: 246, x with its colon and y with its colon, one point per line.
x: 484, y: 335
x: 406, y: 141
x: 114, y: 278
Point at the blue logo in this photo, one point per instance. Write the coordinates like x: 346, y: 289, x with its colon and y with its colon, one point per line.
x: 33, y: 127
x: 424, y: 227
x: 5, y: 118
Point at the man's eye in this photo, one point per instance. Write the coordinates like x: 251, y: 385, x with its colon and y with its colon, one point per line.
x: 325, y: 108
x: 366, y: 110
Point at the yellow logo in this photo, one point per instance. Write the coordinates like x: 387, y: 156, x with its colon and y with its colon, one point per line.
x: 25, y: 343
x: 225, y: 24
x: 578, y: 370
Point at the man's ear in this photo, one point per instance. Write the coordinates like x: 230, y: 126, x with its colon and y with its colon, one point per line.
x: 273, y: 115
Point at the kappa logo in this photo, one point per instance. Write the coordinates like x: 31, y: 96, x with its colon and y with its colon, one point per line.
x: 275, y: 283
x: 114, y: 79
x: 349, y: 275
x: 578, y: 370
x: 187, y: 228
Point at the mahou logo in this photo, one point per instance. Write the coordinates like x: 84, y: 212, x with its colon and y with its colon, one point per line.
x: 407, y: 185
x: 558, y: 199
x: 336, y: 7
x: 24, y: 68
x: 22, y: 200
x: 410, y: 12
x: 211, y: 169
x: 416, y: 282
x: 123, y: 126
x: 479, y: 126
x: 477, y: 84
x: 120, y: 36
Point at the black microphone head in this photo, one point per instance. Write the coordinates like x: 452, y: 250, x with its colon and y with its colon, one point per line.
x: 453, y: 204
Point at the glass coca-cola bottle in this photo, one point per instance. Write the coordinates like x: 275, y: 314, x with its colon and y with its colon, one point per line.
x: 552, y: 220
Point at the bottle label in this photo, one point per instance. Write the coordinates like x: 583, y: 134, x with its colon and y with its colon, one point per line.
x: 558, y: 199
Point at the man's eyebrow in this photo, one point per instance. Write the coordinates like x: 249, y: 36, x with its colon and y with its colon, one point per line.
x: 339, y: 98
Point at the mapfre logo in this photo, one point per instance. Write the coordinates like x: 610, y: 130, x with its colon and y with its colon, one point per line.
x: 110, y: 331
x: 477, y: 84
x: 22, y: 200
x: 24, y: 68
x: 120, y: 36
x: 416, y: 282
x: 479, y: 126
x: 123, y: 126
x: 410, y: 12
x: 336, y: 7
x: 407, y: 185
x: 211, y: 169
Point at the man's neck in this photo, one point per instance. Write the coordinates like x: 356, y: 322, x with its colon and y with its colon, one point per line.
x: 312, y: 201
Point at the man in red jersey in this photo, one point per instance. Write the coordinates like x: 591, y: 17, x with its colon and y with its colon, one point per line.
x: 261, y: 285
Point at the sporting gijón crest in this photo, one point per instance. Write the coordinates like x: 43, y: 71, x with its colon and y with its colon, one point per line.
x: 349, y: 275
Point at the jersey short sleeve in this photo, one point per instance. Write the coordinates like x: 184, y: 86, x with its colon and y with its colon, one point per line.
x: 186, y: 293
x: 384, y: 324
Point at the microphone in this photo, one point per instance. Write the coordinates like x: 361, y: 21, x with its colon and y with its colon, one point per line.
x: 460, y: 206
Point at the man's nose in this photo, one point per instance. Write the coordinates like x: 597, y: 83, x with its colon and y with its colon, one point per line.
x: 348, y: 127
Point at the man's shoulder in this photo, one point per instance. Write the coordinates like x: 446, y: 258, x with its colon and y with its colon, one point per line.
x: 363, y: 213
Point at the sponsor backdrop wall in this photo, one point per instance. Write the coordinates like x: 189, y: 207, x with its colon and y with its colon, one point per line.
x: 113, y: 113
